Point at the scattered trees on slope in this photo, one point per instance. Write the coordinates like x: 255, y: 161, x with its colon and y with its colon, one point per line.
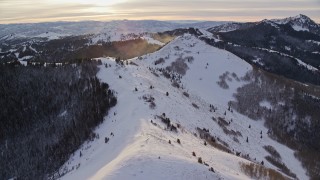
x: 292, y: 119
x: 257, y: 171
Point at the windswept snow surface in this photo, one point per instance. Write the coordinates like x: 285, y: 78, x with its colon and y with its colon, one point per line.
x: 139, y: 149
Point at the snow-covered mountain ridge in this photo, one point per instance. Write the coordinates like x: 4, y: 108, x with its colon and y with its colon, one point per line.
x: 138, y: 146
x: 299, y: 23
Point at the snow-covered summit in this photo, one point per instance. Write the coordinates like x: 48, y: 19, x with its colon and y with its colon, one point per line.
x: 299, y: 23
x: 299, y: 18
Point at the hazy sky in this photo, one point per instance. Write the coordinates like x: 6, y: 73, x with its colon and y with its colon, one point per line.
x: 20, y: 11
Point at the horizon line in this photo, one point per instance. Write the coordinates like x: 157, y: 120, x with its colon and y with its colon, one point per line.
x: 147, y: 19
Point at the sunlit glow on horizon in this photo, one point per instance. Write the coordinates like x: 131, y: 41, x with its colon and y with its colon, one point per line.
x: 31, y: 11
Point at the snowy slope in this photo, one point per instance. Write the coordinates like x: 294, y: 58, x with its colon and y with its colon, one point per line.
x: 139, y: 149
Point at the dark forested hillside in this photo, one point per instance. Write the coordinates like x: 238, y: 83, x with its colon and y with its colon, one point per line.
x: 46, y: 114
x: 276, y: 48
x: 282, y: 38
x: 294, y: 117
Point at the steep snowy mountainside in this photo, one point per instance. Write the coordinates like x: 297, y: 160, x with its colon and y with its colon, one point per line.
x: 278, y: 48
x: 190, y: 83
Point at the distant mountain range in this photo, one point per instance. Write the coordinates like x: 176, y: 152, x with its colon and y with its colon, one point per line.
x: 96, y: 27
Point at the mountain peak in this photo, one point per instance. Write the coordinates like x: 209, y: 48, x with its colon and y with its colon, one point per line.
x: 300, y: 22
x: 301, y: 18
